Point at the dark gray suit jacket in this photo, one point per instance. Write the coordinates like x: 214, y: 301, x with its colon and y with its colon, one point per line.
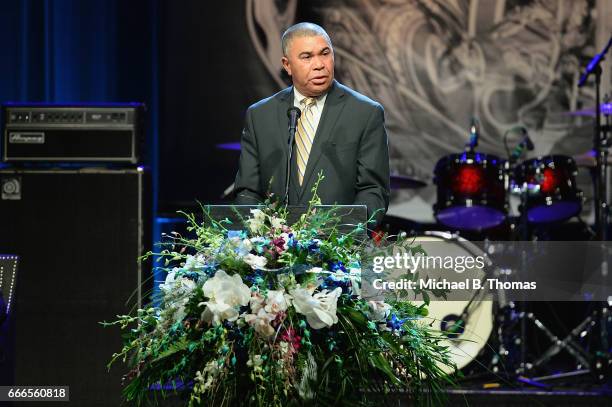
x: 350, y: 147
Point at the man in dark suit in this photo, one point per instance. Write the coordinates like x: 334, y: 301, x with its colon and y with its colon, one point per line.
x: 340, y: 133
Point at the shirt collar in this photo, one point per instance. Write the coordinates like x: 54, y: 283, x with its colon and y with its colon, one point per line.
x: 298, y: 97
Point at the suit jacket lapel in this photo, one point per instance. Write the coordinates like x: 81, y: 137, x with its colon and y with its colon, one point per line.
x: 334, y: 103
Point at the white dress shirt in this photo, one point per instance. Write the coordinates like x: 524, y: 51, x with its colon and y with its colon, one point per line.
x: 317, y: 108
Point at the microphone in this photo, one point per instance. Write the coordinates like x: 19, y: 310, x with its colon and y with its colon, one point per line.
x: 474, y: 134
x: 293, y: 113
x: 594, y: 64
x: 525, y: 142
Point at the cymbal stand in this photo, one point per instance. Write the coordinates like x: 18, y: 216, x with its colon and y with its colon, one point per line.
x: 600, y: 144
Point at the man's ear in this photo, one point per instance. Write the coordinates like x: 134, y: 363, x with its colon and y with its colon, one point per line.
x: 286, y: 65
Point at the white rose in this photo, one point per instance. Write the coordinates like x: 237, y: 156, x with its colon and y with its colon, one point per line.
x: 319, y: 309
x: 276, y: 301
x: 379, y: 310
x: 225, y: 293
x: 256, y: 262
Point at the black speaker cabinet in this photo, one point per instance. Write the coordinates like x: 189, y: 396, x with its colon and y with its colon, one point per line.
x: 78, y: 235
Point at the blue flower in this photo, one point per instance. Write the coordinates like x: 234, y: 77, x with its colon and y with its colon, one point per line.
x: 291, y: 242
x: 255, y: 278
x: 332, y: 282
x: 312, y: 245
x: 396, y: 323
x: 236, y: 234
x: 336, y: 266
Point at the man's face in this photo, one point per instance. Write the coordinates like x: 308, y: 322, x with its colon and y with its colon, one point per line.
x: 310, y: 63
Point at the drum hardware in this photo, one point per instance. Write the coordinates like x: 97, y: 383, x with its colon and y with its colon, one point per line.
x: 525, y: 143
x: 474, y: 135
x: 600, y: 147
x: 512, y: 351
x: 454, y: 325
x: 589, y: 159
x: 604, y: 108
x: 600, y: 144
x: 568, y: 344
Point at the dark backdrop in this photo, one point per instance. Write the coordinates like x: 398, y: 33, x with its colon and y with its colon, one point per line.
x: 209, y: 76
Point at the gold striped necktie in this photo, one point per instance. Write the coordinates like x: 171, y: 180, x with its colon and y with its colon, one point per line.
x: 305, y: 135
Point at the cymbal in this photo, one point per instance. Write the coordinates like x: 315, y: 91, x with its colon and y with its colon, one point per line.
x: 605, y: 108
x: 404, y: 182
x: 588, y: 159
x: 229, y: 146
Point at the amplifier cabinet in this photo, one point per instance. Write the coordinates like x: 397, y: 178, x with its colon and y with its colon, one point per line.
x: 78, y: 235
x: 111, y: 134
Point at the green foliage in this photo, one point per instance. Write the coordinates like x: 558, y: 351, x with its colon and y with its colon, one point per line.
x: 277, y: 347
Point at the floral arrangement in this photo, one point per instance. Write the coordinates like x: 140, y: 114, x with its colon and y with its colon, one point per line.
x: 271, y: 315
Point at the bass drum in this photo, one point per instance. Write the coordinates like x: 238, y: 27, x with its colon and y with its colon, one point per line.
x: 465, y: 341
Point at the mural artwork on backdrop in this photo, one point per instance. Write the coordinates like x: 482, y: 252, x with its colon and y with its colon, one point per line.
x: 436, y: 64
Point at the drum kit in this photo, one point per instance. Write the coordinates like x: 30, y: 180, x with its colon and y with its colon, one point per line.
x: 473, y: 196
x: 474, y: 188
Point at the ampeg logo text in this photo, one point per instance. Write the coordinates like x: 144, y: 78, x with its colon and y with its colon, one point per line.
x: 27, y: 138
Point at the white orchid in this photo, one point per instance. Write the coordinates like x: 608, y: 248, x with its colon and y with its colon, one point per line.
x: 379, y: 310
x: 261, y: 322
x: 256, y: 221
x: 256, y: 262
x: 226, y: 294
x: 205, y: 379
x: 256, y: 302
x: 176, y: 290
x: 276, y: 301
x: 277, y: 223
x: 175, y: 286
x: 195, y: 262
x: 255, y: 361
x: 316, y: 270
x: 167, y: 285
x: 319, y: 308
